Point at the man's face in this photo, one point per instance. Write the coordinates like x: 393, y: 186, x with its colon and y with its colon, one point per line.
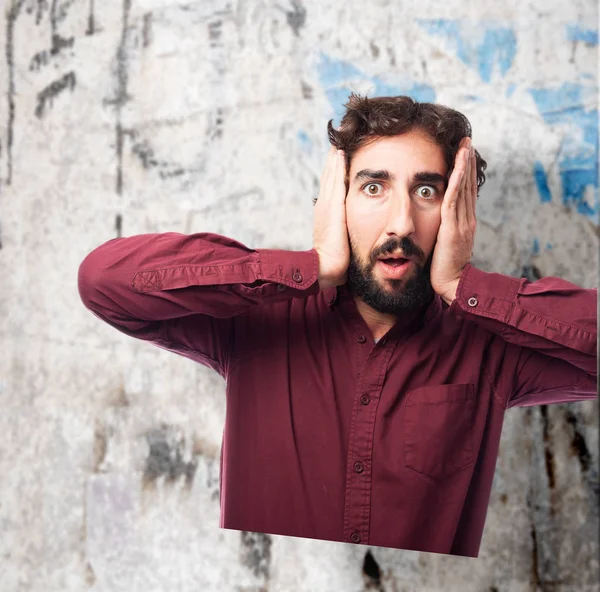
x: 393, y: 208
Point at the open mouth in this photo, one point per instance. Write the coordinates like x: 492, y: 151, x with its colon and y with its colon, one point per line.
x: 394, y: 262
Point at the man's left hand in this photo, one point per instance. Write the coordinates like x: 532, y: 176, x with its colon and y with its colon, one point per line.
x: 456, y: 235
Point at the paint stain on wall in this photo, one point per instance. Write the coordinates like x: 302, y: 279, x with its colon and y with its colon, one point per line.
x: 572, y: 110
x: 296, y: 17
x: 541, y: 181
x: 339, y: 78
x: 579, y: 33
x: 489, y: 49
x: 46, y: 97
x: 304, y: 140
x: 256, y: 553
x: 165, y: 458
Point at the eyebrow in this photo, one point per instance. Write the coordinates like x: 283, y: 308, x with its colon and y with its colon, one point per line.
x: 383, y: 175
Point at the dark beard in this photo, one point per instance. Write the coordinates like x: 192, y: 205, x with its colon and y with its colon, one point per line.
x: 416, y: 293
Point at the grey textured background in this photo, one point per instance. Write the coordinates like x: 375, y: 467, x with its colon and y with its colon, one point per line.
x: 124, y: 117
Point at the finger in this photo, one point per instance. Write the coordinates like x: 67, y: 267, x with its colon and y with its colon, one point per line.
x: 474, y: 183
x: 327, y: 175
x: 468, y: 195
x: 340, y: 175
x: 454, y: 184
x: 461, y: 203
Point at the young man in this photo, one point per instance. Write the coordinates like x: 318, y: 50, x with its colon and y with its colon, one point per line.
x: 367, y: 378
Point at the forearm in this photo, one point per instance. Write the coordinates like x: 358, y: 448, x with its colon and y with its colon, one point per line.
x: 153, y: 277
x: 551, y: 316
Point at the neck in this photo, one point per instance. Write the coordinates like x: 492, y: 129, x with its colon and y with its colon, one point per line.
x: 379, y: 323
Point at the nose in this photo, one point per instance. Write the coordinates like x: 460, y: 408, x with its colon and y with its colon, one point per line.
x: 400, y: 221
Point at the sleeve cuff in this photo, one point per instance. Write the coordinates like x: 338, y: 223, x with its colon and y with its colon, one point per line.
x: 298, y: 270
x: 491, y: 295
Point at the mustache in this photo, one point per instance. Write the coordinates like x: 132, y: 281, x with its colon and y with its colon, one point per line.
x: 405, y: 245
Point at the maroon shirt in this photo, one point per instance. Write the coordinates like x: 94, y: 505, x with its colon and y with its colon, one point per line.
x: 327, y: 434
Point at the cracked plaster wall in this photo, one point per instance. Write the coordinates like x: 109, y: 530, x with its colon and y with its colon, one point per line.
x: 131, y: 116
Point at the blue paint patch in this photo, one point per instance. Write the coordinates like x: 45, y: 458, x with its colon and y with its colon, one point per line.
x: 495, y: 50
x: 548, y: 246
x: 511, y: 90
x: 536, y: 247
x: 578, y: 33
x: 339, y: 78
x: 565, y: 108
x: 541, y: 180
x: 304, y: 140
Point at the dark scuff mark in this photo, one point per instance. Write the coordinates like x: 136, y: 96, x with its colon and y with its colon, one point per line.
x: 90, y: 576
x: 297, y: 17
x: 53, y: 19
x: 535, y: 576
x: 11, y: 18
x: 256, y: 552
x: 504, y: 498
x: 145, y: 153
x: 392, y: 57
x: 578, y: 443
x: 165, y: 459
x: 121, y: 96
x: 42, y: 58
x: 147, y: 30
x: 59, y: 11
x: 42, y: 5
x: 214, y: 33
x: 47, y: 95
x: 374, y: 50
x: 59, y: 43
x: 215, y: 128
x: 119, y: 225
x: 531, y: 273
x: 100, y: 447
x: 549, y: 455
x: 372, y: 573
x: 307, y: 90
x: 581, y: 451
x: 148, y: 159
x: 91, y: 28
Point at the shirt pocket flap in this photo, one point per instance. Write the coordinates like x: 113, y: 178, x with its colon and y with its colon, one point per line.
x: 438, y: 429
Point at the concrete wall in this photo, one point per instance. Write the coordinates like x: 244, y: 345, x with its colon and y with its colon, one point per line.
x: 130, y: 116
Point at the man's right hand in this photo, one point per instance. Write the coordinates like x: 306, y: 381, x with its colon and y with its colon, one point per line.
x: 330, y: 234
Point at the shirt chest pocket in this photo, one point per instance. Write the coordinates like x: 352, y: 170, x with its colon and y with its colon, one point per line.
x: 438, y: 429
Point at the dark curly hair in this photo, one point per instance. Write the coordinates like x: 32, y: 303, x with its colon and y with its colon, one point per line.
x: 367, y: 119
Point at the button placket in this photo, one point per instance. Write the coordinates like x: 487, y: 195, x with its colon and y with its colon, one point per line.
x: 359, y: 484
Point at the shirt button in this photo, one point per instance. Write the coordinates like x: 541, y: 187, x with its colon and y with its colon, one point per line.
x: 361, y: 339
x: 355, y: 537
x: 365, y: 399
x: 297, y: 277
x: 472, y: 302
x: 280, y: 287
x: 359, y: 467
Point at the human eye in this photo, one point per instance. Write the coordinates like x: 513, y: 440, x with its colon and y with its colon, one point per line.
x: 427, y: 191
x: 369, y: 186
